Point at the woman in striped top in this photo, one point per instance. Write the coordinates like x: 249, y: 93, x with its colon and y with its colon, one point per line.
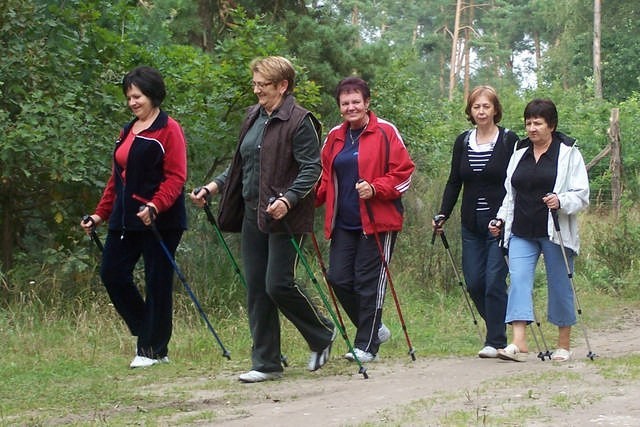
x: 478, y: 164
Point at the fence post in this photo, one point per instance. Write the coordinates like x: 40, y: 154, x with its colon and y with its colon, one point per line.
x: 615, y: 163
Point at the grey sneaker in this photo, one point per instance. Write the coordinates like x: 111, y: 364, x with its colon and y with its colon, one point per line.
x: 257, y: 376
x: 384, y: 334
x: 363, y: 356
x: 317, y: 359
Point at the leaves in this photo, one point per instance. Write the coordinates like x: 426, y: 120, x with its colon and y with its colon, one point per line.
x: 61, y: 103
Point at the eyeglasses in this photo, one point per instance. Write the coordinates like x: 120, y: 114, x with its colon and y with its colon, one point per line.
x: 260, y: 85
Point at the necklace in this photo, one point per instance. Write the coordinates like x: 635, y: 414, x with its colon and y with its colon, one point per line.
x: 358, y: 133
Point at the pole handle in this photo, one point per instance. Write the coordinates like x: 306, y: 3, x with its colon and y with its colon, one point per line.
x: 199, y: 189
x: 554, y: 216
x: 437, y: 219
x: 92, y: 231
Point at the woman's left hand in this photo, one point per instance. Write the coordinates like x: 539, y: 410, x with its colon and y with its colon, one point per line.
x: 364, y: 189
x: 145, y: 215
x: 278, y: 209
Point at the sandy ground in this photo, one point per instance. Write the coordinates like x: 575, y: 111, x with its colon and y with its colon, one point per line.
x: 449, y: 391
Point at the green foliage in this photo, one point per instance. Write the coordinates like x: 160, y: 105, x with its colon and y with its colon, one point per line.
x: 614, y: 245
x: 54, y: 114
x: 61, y: 105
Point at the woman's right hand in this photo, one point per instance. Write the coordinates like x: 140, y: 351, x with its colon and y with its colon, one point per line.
x: 495, y: 227
x: 90, y: 222
x: 437, y: 223
x: 199, y: 195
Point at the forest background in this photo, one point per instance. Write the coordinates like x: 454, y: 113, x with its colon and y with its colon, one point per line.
x: 61, y: 106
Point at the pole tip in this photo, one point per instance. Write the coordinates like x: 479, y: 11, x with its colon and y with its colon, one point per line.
x: 363, y: 371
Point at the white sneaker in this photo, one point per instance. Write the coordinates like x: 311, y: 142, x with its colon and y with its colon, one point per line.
x: 488, y: 352
x: 384, y: 334
x: 363, y: 356
x: 318, y: 359
x: 143, y: 362
x: 257, y: 376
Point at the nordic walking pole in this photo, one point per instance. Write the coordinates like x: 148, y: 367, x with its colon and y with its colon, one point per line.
x: 326, y: 279
x: 383, y: 259
x: 554, y: 214
x: 158, y: 237
x: 223, y: 242
x: 438, y: 220
x: 541, y: 354
x: 362, y: 370
x: 92, y: 233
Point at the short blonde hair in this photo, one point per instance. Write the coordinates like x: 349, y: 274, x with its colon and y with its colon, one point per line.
x: 493, y: 98
x: 275, y: 69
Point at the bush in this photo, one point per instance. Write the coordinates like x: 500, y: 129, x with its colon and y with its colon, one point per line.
x: 610, y: 252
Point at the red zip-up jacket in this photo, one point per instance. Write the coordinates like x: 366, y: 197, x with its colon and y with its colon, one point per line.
x: 383, y: 161
x: 156, y: 172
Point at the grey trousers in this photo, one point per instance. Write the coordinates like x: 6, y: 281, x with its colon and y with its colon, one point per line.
x: 269, y: 265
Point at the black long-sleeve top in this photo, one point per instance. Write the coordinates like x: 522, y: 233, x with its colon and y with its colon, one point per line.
x: 487, y: 183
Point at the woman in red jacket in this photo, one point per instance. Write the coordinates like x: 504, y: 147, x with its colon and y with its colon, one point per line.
x: 364, y: 162
x: 146, y: 184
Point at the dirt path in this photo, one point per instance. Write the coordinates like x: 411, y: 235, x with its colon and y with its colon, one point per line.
x: 449, y: 391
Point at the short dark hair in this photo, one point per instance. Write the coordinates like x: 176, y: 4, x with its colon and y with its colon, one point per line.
x: 149, y: 81
x: 493, y: 98
x: 353, y: 84
x: 544, y: 108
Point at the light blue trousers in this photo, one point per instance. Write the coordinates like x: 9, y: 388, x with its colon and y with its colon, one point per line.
x: 523, y: 258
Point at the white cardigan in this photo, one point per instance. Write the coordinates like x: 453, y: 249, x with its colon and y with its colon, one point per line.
x: 571, y: 187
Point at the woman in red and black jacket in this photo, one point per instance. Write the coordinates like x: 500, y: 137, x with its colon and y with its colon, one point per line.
x: 365, y: 165
x: 146, y: 184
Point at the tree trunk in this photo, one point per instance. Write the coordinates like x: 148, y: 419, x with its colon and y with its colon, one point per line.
x: 468, y: 34
x: 355, y: 21
x: 206, y: 20
x: 538, y: 50
x: 442, y: 73
x: 616, y: 161
x: 454, y: 50
x: 597, y: 75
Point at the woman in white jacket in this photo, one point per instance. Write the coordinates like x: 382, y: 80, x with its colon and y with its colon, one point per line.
x: 545, y: 173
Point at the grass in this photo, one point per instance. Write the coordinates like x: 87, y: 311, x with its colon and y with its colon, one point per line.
x: 627, y: 367
x: 71, y: 364
x: 65, y: 351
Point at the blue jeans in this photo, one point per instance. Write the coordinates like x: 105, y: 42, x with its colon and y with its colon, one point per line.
x: 523, y: 257
x: 485, y: 273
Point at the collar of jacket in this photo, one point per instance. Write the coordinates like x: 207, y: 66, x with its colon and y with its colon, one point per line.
x: 283, y: 112
x: 559, y: 136
x: 158, y: 123
x: 371, y: 126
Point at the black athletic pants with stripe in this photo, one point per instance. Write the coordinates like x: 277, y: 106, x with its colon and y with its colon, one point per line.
x: 359, y: 281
